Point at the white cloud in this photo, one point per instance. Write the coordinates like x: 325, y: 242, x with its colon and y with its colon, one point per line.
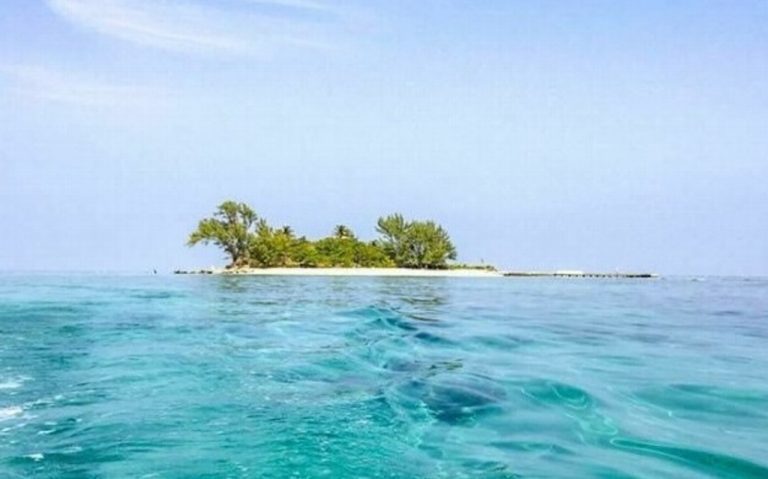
x: 50, y: 85
x: 240, y: 27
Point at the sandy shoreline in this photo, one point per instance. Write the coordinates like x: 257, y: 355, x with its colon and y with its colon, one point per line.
x: 390, y: 272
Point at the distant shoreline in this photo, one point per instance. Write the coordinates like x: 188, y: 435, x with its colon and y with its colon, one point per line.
x: 365, y: 272
x: 413, y: 273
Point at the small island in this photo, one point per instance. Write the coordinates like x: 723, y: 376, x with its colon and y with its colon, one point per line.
x: 404, y: 248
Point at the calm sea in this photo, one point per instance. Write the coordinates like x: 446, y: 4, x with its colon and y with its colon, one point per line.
x: 237, y: 377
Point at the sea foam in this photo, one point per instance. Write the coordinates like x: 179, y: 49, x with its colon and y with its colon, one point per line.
x: 10, y: 412
x: 10, y: 384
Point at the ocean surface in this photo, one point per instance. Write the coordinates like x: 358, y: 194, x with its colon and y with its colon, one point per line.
x: 290, y: 377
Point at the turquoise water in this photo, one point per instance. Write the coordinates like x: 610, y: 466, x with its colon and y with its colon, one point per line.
x: 237, y: 377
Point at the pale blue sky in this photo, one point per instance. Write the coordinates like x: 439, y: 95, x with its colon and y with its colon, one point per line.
x: 542, y: 134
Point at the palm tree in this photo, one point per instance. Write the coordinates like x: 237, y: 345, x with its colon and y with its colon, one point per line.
x: 287, y: 231
x: 342, y: 231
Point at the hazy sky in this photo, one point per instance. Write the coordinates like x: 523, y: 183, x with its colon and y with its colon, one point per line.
x: 542, y: 134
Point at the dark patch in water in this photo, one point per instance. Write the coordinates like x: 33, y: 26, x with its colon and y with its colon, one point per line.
x: 402, y: 365
x: 424, y: 319
x: 447, y: 365
x: 396, y: 322
x: 728, y: 313
x: 460, y: 400
x: 432, y: 338
x: 383, y: 317
x: 405, y: 365
x: 69, y: 329
x: 718, y: 465
x: 532, y: 447
x: 155, y: 295
x: 504, y: 341
x: 648, y: 338
x: 490, y: 469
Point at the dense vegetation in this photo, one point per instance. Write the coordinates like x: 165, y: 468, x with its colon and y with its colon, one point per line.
x: 250, y: 241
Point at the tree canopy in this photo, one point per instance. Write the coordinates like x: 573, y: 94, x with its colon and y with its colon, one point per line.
x: 415, y: 244
x: 249, y: 240
x: 230, y: 228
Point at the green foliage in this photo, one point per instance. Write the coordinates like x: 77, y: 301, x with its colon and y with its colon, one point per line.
x: 342, y: 231
x: 371, y: 255
x: 305, y: 255
x: 415, y: 244
x: 251, y: 241
x: 271, y: 247
x: 336, y: 251
x: 477, y: 267
x: 230, y: 228
x: 392, y: 229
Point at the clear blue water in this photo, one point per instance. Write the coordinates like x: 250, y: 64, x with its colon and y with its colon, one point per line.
x: 237, y: 377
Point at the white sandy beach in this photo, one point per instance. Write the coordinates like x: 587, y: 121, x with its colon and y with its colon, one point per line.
x: 392, y: 272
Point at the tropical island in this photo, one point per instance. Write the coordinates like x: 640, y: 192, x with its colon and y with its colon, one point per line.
x: 403, y: 248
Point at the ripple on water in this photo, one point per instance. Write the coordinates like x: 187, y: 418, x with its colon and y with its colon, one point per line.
x: 500, y: 341
x: 711, y: 463
x: 574, y: 403
x: 557, y: 394
x: 696, y: 400
x: 10, y: 412
x: 10, y: 384
x: 457, y: 399
x: 256, y: 377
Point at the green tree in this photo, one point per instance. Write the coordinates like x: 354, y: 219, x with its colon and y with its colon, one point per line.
x: 304, y: 254
x: 250, y: 240
x: 371, y: 255
x: 271, y: 247
x: 342, y: 231
x: 392, y: 229
x: 230, y: 228
x: 428, y: 246
x: 415, y: 244
x: 336, y: 252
